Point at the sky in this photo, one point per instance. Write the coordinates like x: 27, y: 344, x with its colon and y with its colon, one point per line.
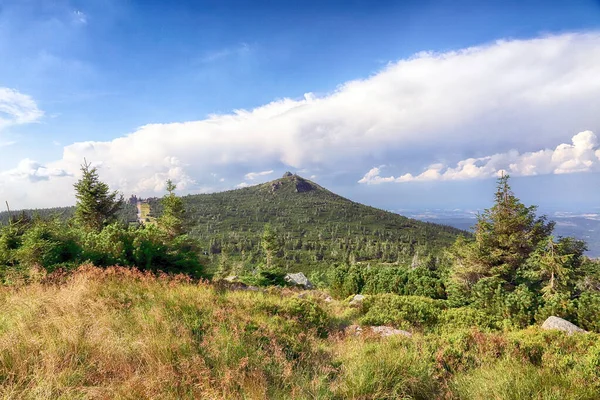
x: 396, y: 104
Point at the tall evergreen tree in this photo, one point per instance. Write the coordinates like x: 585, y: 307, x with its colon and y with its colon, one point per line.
x: 171, y: 219
x: 505, y: 237
x: 96, y: 205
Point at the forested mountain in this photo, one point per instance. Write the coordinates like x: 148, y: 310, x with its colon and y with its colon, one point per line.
x: 126, y: 214
x: 314, y: 227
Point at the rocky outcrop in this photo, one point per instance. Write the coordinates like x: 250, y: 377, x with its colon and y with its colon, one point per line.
x: 303, y: 186
x: 556, y: 323
x: 357, y: 300
x: 386, y: 331
x: 298, y: 279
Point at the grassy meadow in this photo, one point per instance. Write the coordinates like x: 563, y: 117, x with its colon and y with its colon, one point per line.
x: 118, y: 333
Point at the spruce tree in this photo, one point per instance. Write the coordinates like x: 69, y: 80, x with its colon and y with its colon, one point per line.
x: 171, y: 219
x: 96, y: 205
x: 505, y: 237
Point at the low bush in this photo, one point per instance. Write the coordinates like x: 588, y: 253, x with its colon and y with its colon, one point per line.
x: 401, y: 311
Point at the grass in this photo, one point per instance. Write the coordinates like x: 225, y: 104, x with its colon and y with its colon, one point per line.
x: 118, y: 333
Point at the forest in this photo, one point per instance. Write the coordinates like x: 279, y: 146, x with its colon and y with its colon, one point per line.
x: 470, y: 303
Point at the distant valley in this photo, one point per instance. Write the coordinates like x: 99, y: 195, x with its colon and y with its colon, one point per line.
x: 581, y: 225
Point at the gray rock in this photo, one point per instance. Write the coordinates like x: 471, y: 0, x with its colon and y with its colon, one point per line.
x: 556, y: 323
x: 231, y: 278
x: 299, y: 279
x: 386, y: 331
x: 357, y: 300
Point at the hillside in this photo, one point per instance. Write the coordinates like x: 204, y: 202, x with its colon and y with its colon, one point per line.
x: 315, y: 226
x: 119, y: 334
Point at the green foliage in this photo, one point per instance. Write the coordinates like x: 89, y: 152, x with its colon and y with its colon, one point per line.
x: 514, y: 269
x: 505, y: 237
x: 46, y: 244
x: 346, y: 280
x: 401, y: 311
x: 315, y: 228
x: 96, y: 205
x: 389, y: 369
x: 588, y: 311
x: 172, y: 216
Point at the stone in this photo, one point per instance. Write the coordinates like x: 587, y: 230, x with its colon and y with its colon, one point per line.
x: 357, y: 300
x: 386, y: 331
x: 231, y: 278
x: 328, y: 299
x: 556, y: 323
x: 298, y: 279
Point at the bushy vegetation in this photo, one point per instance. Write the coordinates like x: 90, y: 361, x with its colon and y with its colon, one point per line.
x: 315, y: 228
x: 95, y: 235
x: 122, y: 333
x: 139, y: 322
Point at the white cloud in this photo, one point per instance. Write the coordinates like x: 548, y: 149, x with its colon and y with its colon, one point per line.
x: 33, y: 171
x: 250, y: 176
x: 242, y: 185
x: 460, y: 105
x: 17, y: 108
x: 583, y: 155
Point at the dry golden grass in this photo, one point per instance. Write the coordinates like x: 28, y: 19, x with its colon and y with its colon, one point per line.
x: 118, y: 333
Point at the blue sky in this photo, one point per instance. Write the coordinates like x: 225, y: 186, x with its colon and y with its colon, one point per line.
x: 399, y: 104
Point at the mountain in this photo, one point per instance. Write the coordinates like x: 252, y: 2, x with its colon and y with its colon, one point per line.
x: 315, y: 227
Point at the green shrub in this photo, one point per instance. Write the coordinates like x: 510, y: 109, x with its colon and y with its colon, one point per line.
x: 588, y: 311
x: 465, y: 317
x: 400, y: 311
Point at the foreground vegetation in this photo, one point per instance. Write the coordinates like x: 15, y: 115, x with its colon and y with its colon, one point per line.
x: 120, y: 333
x: 154, y: 327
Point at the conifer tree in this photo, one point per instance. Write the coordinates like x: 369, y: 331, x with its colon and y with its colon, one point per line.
x: 171, y: 219
x: 270, y: 244
x: 96, y: 205
x: 505, y: 237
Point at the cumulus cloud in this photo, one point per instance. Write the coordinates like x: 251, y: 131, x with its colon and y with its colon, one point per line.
x: 33, y: 171
x: 17, y: 108
x: 582, y: 155
x: 458, y: 105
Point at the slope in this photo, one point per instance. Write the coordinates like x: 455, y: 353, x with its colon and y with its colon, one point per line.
x: 315, y: 227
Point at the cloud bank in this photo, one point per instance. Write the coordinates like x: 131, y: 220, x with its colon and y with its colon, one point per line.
x: 583, y: 155
x: 455, y: 107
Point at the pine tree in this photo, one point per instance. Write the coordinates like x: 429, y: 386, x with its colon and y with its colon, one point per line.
x: 505, y: 237
x: 171, y: 219
x: 269, y: 244
x: 96, y: 206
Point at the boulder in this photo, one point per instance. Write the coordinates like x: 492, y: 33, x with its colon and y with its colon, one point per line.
x: 357, y: 300
x: 231, y: 278
x: 298, y: 279
x: 386, y: 331
x: 556, y: 323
